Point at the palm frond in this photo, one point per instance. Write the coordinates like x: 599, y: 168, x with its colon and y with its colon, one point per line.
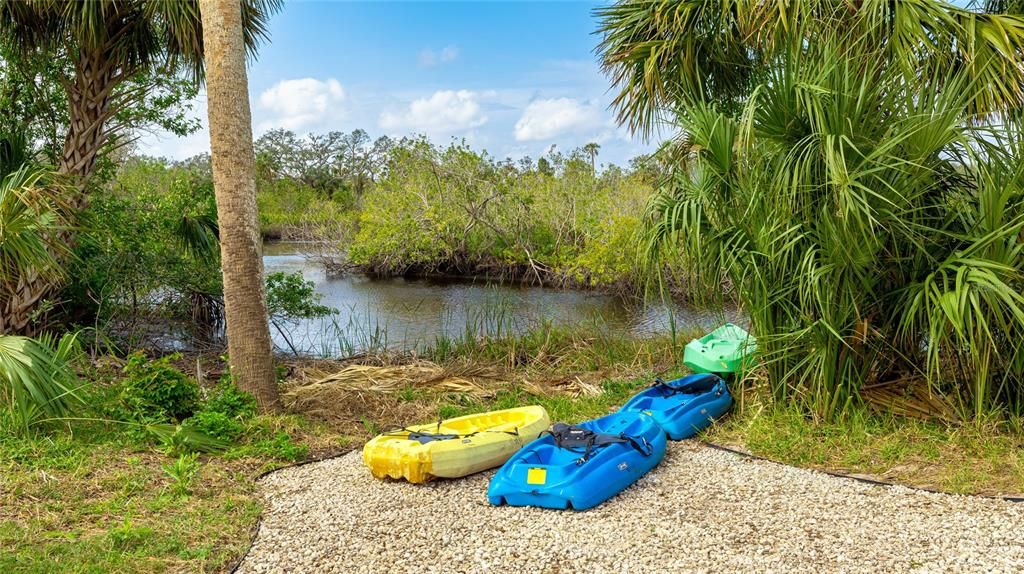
x: 198, y: 235
x: 868, y: 221
x: 662, y: 53
x: 134, y: 33
x: 30, y: 219
x: 36, y: 380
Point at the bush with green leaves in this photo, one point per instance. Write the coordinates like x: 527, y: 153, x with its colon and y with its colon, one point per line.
x: 226, y: 398
x: 216, y: 424
x: 148, y: 250
x: 291, y: 297
x: 154, y: 390
x: 223, y: 413
x: 454, y: 210
x: 854, y: 172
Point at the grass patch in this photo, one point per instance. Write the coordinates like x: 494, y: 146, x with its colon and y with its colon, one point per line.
x: 95, y: 501
x: 973, y: 458
x: 103, y: 498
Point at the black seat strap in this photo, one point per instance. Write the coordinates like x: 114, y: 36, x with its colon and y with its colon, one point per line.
x: 424, y: 437
x: 572, y: 438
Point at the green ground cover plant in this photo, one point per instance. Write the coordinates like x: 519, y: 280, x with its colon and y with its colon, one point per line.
x: 975, y: 458
x: 149, y: 473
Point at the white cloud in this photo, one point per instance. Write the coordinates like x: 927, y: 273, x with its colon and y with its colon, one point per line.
x: 446, y: 111
x: 546, y: 119
x: 302, y: 103
x: 428, y: 58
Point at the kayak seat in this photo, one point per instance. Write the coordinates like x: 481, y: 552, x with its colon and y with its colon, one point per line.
x: 694, y: 384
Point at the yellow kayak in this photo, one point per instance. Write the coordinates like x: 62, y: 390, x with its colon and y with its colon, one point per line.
x: 455, y: 447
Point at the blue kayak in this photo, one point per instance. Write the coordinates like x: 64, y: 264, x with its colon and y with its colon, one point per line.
x: 580, y: 466
x: 685, y: 406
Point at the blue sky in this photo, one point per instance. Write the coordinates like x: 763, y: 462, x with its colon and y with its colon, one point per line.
x: 509, y: 77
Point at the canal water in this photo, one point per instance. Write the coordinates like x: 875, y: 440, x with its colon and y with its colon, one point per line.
x: 404, y: 314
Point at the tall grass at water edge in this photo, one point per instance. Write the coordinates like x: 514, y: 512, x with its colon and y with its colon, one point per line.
x: 492, y: 333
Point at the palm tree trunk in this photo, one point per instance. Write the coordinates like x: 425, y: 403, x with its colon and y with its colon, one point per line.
x: 89, y: 94
x: 234, y: 181
x: 18, y: 305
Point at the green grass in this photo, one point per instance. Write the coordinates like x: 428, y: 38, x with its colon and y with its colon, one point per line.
x: 98, y: 501
x: 559, y: 349
x: 974, y: 458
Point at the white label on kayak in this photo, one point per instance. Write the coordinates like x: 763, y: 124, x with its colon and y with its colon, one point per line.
x: 703, y: 411
x: 466, y: 441
x: 623, y: 466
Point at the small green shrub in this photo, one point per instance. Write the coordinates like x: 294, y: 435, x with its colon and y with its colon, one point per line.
x: 220, y: 416
x: 231, y: 401
x: 279, y: 446
x: 182, y: 473
x: 290, y: 297
x: 216, y: 424
x: 154, y: 390
x: 127, y: 537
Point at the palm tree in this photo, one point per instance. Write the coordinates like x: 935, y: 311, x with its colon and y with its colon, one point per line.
x: 109, y: 43
x: 32, y: 217
x: 661, y: 53
x: 591, y: 149
x: 234, y: 180
x: 853, y: 171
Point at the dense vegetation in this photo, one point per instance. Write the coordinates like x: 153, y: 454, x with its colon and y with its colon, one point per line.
x: 850, y: 173
x: 146, y: 261
x: 855, y: 175
x: 452, y: 210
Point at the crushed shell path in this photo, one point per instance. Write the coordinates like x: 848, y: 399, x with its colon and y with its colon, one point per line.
x: 700, y: 510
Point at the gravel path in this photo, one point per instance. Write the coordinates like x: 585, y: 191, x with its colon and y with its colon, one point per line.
x: 700, y: 510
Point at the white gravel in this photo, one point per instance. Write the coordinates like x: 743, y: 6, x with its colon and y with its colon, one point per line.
x: 700, y: 510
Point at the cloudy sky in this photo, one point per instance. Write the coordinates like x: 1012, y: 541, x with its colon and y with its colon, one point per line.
x: 512, y: 78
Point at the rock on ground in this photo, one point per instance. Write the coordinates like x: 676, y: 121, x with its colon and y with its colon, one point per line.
x: 700, y: 510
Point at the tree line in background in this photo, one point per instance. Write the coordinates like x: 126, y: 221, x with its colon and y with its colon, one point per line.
x: 410, y: 206
x: 385, y: 207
